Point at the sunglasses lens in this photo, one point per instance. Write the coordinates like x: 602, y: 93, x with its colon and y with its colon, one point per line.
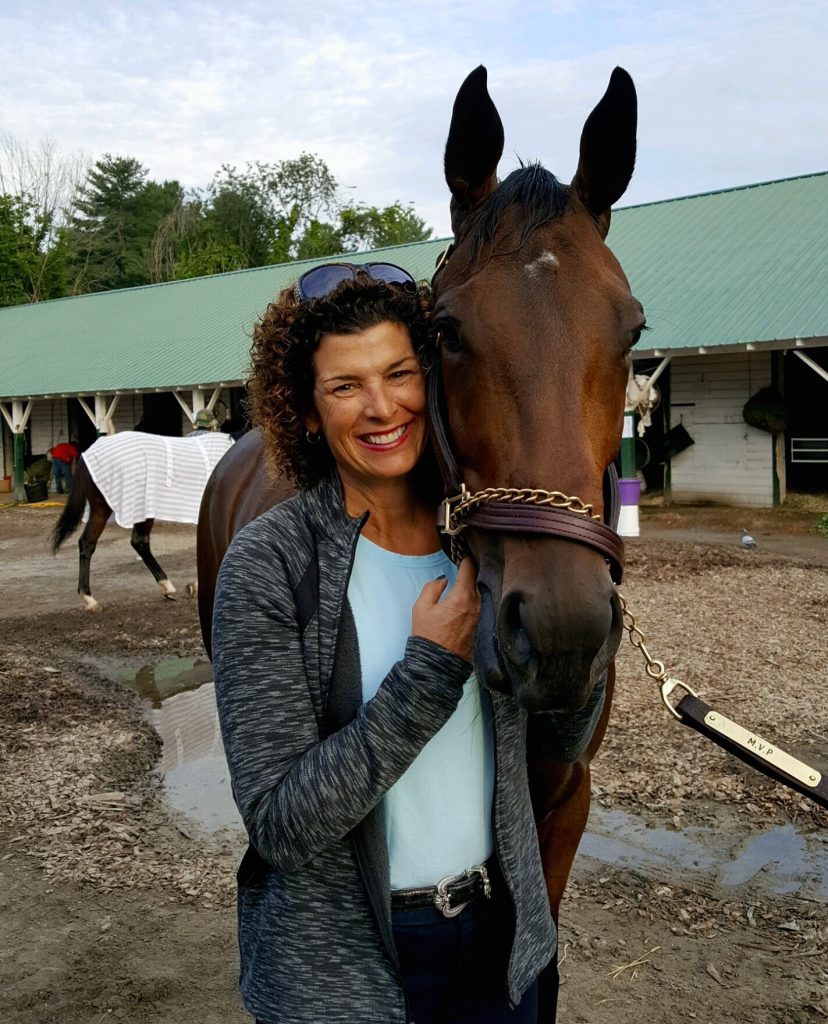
x: 389, y: 273
x: 318, y: 282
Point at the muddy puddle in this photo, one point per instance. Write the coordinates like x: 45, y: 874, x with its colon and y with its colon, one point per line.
x: 179, y: 702
x: 780, y: 860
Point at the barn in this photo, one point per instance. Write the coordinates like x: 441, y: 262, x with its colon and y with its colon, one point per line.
x: 734, y: 283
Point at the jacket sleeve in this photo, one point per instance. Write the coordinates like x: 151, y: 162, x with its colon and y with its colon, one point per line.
x: 296, y: 793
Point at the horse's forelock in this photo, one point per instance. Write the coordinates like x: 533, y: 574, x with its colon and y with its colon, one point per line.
x: 538, y: 193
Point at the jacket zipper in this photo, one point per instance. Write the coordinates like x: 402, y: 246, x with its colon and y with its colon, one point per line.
x: 374, y: 897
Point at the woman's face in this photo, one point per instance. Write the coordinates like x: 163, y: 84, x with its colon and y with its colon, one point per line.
x: 369, y: 397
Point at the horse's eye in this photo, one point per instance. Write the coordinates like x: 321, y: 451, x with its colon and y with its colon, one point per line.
x: 448, y: 337
x: 636, y: 334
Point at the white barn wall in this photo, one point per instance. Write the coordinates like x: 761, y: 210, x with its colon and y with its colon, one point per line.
x: 47, y: 420
x: 730, y: 462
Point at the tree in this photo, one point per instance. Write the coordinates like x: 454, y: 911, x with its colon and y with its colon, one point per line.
x: 319, y: 239
x: 267, y: 209
x: 368, y: 227
x: 40, y: 185
x: 114, y: 227
x: 18, y: 251
x: 275, y: 213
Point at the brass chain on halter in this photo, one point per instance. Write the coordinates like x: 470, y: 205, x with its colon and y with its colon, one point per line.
x: 456, y: 510
x: 654, y: 668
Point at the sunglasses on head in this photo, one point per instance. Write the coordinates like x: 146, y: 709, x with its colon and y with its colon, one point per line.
x: 318, y: 282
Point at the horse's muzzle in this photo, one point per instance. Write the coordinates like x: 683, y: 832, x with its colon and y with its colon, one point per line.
x: 547, y: 661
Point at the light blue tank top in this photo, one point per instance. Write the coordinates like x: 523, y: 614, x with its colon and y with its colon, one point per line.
x: 438, y: 816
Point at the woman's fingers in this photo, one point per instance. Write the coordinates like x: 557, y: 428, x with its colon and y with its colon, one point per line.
x: 432, y: 592
x: 465, y: 585
x: 452, y: 621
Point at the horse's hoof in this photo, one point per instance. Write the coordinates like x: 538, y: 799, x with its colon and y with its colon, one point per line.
x: 168, y: 590
x: 191, y: 589
x: 89, y: 603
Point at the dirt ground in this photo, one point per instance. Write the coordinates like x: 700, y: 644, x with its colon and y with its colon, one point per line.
x: 114, y: 907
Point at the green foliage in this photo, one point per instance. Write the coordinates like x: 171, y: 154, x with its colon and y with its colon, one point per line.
x: 18, y: 253
x: 113, y: 231
x: 29, y: 270
x: 821, y: 527
x: 209, y: 258
x: 319, y: 239
x: 367, y: 227
x: 123, y: 229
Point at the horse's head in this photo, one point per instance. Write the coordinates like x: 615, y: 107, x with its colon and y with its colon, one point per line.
x: 535, y: 320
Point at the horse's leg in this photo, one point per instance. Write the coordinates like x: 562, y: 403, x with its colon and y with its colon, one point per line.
x: 561, y: 797
x: 99, y: 513
x: 140, y: 541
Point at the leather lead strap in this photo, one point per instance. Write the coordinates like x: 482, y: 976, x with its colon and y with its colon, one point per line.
x: 754, y: 752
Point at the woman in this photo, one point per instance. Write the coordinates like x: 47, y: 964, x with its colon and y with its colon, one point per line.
x: 393, y: 873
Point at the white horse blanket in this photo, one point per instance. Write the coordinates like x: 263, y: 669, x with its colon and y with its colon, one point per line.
x: 145, y: 476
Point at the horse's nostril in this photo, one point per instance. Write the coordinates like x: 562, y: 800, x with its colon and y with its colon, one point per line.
x: 514, y: 638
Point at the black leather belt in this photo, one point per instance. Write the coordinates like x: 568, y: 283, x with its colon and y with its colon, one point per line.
x: 450, y: 895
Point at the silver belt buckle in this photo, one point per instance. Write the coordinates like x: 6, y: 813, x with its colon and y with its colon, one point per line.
x: 442, y: 897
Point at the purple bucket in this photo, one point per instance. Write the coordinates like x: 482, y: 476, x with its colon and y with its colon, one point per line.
x: 629, y: 490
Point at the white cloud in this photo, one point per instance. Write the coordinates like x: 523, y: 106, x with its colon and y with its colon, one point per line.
x: 729, y: 93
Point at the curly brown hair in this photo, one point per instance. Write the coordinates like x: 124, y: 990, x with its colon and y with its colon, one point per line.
x: 285, y: 338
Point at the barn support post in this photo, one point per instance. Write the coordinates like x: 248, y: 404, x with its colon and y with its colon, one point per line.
x: 198, y: 403
x: 629, y: 486
x: 188, y: 412
x: 102, y: 414
x: 84, y: 405
x: 103, y: 423
x: 17, y: 422
x: 109, y: 426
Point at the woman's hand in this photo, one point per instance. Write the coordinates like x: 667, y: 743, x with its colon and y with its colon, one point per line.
x: 452, y: 622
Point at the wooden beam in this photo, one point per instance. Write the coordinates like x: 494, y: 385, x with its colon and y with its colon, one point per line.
x: 7, y: 417
x: 188, y: 412
x: 810, y: 362
x: 86, y: 409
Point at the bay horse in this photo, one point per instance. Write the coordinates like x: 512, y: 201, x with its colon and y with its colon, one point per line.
x: 139, y: 477
x: 535, y: 322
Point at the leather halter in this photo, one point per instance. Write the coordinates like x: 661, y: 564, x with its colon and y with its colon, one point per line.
x: 516, y: 510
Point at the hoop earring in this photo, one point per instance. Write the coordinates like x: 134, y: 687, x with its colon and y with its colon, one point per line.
x: 313, y: 438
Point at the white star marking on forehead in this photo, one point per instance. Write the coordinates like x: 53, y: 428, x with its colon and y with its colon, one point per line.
x: 548, y: 259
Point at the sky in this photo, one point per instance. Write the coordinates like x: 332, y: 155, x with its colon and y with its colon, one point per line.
x: 729, y: 93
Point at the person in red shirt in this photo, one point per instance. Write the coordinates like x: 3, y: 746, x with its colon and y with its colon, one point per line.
x: 64, y: 456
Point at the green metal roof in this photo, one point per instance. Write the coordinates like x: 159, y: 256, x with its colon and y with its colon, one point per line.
x: 179, y: 334
x: 744, y: 265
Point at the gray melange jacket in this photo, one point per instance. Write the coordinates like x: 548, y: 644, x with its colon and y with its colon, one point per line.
x: 309, y: 763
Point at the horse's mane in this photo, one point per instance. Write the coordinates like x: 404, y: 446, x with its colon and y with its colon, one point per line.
x: 542, y: 198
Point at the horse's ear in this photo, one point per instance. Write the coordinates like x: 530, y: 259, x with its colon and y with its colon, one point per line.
x: 608, y: 149
x: 474, y: 145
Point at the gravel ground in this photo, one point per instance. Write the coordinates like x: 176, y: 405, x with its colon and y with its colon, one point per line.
x: 115, y: 907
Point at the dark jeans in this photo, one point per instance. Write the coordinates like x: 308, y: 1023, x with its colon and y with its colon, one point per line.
x: 62, y: 472
x: 454, y: 969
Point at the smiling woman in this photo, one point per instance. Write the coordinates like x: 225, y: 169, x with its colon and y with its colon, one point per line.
x: 369, y: 405
x: 383, y: 882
